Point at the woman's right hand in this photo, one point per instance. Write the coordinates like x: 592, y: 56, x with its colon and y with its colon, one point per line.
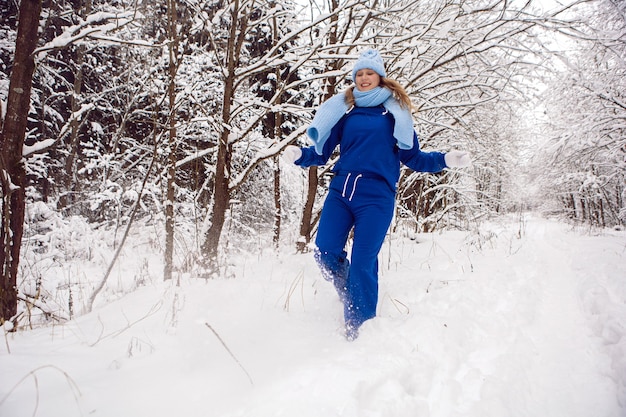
x: 291, y: 154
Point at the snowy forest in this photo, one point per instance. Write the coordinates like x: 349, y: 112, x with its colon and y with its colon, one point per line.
x: 171, y: 117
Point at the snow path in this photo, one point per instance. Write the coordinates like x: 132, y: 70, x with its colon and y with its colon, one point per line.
x: 525, y: 319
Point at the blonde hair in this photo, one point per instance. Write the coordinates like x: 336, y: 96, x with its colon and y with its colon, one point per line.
x: 399, y: 93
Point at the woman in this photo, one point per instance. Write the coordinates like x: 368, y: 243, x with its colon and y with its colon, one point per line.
x: 372, y: 124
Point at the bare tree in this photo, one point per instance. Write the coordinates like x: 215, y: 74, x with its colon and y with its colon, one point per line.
x: 240, y: 119
x: 75, y: 122
x: 12, y: 172
x: 172, y: 48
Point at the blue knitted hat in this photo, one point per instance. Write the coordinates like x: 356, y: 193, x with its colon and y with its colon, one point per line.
x: 369, y: 59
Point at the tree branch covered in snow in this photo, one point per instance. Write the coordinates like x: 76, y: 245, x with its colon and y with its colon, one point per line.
x: 94, y: 26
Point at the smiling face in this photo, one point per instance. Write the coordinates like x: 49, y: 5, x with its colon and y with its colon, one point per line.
x: 367, y: 79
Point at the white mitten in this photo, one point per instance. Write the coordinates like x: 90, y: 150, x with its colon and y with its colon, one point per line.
x: 457, y: 159
x: 291, y: 154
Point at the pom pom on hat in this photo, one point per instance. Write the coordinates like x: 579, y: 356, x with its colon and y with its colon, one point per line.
x: 369, y: 59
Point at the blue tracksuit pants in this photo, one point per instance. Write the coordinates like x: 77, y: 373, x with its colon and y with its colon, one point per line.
x: 366, y: 203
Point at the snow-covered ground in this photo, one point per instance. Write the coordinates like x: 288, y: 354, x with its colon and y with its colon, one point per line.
x: 526, y: 318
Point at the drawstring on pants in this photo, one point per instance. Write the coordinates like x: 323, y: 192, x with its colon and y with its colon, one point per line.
x: 345, y: 186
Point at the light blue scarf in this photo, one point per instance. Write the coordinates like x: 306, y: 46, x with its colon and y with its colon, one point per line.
x: 333, y: 109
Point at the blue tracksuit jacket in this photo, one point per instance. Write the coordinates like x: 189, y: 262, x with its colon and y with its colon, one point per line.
x: 361, y: 196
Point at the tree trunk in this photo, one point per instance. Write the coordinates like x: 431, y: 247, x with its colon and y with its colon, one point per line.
x: 276, y: 135
x: 221, y: 194
x: 221, y: 198
x: 277, y: 203
x: 12, y: 172
x: 306, y: 224
x: 171, y: 162
x: 71, y: 185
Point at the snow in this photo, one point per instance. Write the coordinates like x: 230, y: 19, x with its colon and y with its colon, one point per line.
x: 37, y: 147
x: 523, y: 318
